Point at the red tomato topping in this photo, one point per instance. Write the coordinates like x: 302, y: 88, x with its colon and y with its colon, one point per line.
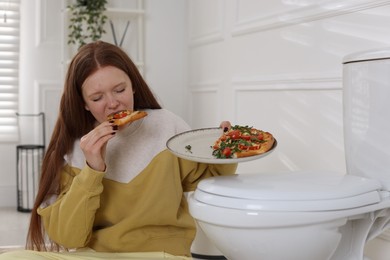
x: 227, y: 152
x: 246, y: 137
x: 235, y: 134
x: 243, y: 147
x: 120, y: 114
x: 254, y: 147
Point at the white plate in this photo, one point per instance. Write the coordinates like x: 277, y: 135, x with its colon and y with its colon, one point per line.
x: 201, y: 142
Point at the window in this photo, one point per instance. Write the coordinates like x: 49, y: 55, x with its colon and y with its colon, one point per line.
x: 9, y: 66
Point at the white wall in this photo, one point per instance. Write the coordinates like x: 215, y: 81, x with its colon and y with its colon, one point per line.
x: 166, y: 53
x: 277, y: 65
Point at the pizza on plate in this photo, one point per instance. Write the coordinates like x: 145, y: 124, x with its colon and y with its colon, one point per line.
x: 242, y: 141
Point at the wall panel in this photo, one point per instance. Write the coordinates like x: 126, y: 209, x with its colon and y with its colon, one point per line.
x: 206, y: 21
x: 307, y: 125
x: 256, y: 16
x: 48, y: 95
x: 48, y: 23
x: 204, y: 107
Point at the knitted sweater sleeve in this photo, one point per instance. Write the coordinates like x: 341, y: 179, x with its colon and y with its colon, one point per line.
x: 192, y: 172
x: 69, y: 220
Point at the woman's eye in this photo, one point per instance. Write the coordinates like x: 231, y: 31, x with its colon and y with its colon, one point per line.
x: 120, y: 90
x: 95, y: 99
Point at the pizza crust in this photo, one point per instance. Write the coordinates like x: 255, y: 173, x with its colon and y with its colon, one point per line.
x: 264, y: 147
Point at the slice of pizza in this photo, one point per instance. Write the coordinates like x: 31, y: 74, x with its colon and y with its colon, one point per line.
x: 242, y: 141
x: 126, y: 116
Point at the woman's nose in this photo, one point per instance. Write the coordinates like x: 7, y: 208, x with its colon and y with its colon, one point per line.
x: 112, y: 102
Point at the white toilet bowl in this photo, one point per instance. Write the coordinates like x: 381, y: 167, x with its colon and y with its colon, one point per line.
x: 312, y: 216
x: 290, y: 216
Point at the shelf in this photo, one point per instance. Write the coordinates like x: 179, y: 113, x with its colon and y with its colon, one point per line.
x: 124, y: 12
x: 135, y: 13
x: 119, y: 11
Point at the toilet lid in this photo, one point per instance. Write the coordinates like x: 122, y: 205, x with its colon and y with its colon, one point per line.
x: 369, y: 55
x: 299, y: 191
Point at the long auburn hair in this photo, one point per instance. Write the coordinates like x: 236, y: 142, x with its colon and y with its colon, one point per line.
x: 74, y: 121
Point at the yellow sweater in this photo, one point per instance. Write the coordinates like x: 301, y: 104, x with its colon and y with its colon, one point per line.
x: 147, y: 214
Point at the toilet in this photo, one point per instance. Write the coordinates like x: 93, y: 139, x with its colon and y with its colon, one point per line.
x: 307, y: 215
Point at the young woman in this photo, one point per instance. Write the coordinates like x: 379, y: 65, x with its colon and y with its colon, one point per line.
x: 109, y: 192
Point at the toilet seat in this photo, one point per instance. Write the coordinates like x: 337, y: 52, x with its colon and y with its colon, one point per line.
x: 293, y: 192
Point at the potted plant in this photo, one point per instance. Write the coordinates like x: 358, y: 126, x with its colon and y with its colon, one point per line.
x: 87, y: 20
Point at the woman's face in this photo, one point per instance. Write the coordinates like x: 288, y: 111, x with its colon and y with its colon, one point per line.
x: 107, y: 90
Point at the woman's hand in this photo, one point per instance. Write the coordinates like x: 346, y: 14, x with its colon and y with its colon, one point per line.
x: 94, y: 145
x: 225, y: 125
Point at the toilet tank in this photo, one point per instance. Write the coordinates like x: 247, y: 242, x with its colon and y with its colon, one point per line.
x: 366, y: 101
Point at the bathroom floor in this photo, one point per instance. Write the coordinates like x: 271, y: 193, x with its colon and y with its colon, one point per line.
x: 13, y: 227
